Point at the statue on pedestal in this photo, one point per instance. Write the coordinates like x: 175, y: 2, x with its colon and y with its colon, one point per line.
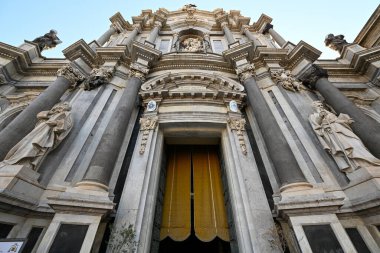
x: 53, y: 126
x: 335, y: 42
x: 337, y: 138
x: 49, y: 40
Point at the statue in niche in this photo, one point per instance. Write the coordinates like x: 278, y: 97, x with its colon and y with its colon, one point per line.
x: 49, y: 40
x: 338, y: 139
x: 335, y: 42
x: 192, y: 44
x: 98, y: 77
x: 52, y: 127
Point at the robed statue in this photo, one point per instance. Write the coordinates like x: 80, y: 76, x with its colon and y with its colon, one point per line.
x: 336, y: 136
x: 52, y: 127
x: 49, y: 40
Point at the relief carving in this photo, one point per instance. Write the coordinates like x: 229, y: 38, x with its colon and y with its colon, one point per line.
x: 147, y: 124
x: 238, y: 125
x: 286, y: 80
x: 70, y: 73
x: 98, y: 77
x: 192, y: 44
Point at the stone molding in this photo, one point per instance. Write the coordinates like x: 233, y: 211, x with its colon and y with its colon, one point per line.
x: 312, y: 75
x: 286, y: 80
x: 147, y: 124
x: 70, y: 73
x: 238, y: 125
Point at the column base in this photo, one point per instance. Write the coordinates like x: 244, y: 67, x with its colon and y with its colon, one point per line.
x: 295, y: 187
x: 92, y: 186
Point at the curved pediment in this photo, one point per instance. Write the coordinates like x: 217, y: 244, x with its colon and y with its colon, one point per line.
x: 191, y: 84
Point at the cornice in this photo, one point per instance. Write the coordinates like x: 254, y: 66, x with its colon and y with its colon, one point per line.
x: 80, y: 49
x: 302, y: 51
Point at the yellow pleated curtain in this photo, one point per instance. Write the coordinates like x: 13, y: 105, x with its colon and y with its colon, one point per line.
x: 210, y: 219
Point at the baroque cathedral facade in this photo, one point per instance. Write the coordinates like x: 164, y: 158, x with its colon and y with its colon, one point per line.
x: 191, y: 130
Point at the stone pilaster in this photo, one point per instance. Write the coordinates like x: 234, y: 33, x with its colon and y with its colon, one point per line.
x: 103, y: 161
x: 26, y: 120
x: 277, y: 37
x: 364, y: 126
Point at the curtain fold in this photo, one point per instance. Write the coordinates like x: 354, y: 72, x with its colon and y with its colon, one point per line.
x: 176, y: 219
x: 210, y: 217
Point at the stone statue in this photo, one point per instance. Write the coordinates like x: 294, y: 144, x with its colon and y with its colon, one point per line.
x: 98, y: 77
x: 53, y: 126
x: 49, y: 40
x: 191, y: 45
x: 335, y: 42
x: 337, y: 138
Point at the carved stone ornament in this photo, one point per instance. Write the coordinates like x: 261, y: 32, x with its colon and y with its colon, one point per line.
x: 71, y: 74
x: 191, y: 44
x: 245, y: 72
x: 147, y: 124
x: 310, y: 77
x: 238, y: 125
x: 336, y: 136
x: 49, y: 40
x: 139, y: 71
x: 335, y: 42
x: 98, y: 77
x: 52, y: 127
x: 267, y: 28
x: 286, y: 80
x: 3, y: 80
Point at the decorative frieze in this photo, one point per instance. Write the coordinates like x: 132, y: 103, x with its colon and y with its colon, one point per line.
x: 98, y: 77
x: 70, y: 73
x: 238, y: 125
x: 245, y: 72
x: 147, y: 124
x: 286, y: 80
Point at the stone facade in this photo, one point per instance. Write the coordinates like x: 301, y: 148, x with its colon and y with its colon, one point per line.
x: 195, y: 77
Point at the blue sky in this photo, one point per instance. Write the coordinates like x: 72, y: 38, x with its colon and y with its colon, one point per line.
x: 295, y: 20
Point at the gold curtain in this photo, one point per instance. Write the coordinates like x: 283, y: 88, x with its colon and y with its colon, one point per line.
x: 210, y: 219
x: 176, y: 219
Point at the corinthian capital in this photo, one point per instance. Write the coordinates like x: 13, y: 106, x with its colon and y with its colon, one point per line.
x: 245, y: 72
x: 244, y: 29
x: 157, y: 24
x: 139, y: 71
x: 223, y: 24
x: 137, y: 27
x: 70, y: 73
x: 311, y: 76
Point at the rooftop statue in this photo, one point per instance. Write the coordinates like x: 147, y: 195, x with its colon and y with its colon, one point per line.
x: 335, y: 42
x: 49, y: 40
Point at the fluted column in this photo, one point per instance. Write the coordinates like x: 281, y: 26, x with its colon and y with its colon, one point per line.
x: 132, y: 36
x: 107, y: 35
x: 227, y: 32
x: 277, y: 37
x: 364, y: 126
x: 26, y: 120
x: 283, y: 159
x: 154, y: 33
x: 250, y: 36
x: 103, y: 161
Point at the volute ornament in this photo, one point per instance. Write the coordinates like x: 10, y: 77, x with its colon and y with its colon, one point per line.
x: 286, y: 80
x: 70, y: 73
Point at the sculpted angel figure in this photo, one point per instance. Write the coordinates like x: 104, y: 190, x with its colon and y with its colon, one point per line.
x: 52, y: 127
x: 336, y: 136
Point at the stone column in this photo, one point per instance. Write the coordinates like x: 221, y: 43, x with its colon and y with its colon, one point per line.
x: 250, y: 36
x: 132, y: 36
x: 103, y: 161
x: 106, y: 36
x: 174, y: 44
x: 364, y: 126
x: 154, y: 33
x: 208, y: 41
x: 277, y: 37
x: 227, y: 32
x: 283, y: 159
x: 26, y: 120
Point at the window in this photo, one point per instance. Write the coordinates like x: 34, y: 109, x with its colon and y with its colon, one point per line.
x: 4, y: 230
x: 33, y: 237
x: 69, y: 238
x: 357, y: 240
x: 218, y: 46
x: 164, y: 46
x: 322, y: 238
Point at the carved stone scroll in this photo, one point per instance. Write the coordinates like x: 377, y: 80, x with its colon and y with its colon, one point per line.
x: 238, y: 125
x: 147, y: 124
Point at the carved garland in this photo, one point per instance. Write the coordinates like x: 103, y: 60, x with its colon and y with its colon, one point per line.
x: 239, y: 126
x: 146, y: 125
